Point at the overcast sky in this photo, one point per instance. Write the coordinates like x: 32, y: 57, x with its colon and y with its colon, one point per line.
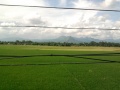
x: 63, y: 18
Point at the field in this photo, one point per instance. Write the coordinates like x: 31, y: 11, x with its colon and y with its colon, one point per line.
x: 59, y: 68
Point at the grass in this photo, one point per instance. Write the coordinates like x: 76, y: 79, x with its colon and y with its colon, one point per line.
x: 59, y: 72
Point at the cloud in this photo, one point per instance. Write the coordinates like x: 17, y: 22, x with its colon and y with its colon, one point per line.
x: 60, y: 18
x: 63, y: 2
x: 34, y: 19
x: 111, y: 4
x: 23, y: 2
x: 8, y: 13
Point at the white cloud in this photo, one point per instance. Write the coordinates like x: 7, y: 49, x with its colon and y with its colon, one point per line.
x: 111, y: 4
x: 84, y: 4
x: 18, y: 12
x: 63, y: 2
x: 55, y: 17
x: 7, y: 24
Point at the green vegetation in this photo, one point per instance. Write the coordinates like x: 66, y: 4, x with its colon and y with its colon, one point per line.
x: 41, y: 68
x: 92, y: 43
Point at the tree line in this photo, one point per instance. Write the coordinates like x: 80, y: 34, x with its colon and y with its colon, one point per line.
x: 92, y: 43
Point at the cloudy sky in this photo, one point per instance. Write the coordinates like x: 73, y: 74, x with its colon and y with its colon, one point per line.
x: 15, y: 16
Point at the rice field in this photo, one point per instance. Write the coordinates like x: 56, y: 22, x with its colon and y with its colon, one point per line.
x: 59, y: 68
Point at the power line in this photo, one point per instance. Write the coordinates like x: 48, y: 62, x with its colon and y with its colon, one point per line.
x: 60, y: 27
x: 111, y: 10
x: 60, y: 8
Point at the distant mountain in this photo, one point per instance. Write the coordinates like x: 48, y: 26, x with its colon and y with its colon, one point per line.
x: 68, y: 39
x: 112, y: 40
x: 12, y: 39
x: 87, y: 39
x: 71, y: 39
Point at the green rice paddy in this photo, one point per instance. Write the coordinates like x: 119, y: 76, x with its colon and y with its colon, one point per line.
x: 59, y: 68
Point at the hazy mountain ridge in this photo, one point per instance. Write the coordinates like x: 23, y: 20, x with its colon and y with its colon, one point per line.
x: 68, y: 39
x: 12, y: 39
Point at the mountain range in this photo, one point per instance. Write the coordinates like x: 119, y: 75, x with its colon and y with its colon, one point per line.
x: 62, y: 39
